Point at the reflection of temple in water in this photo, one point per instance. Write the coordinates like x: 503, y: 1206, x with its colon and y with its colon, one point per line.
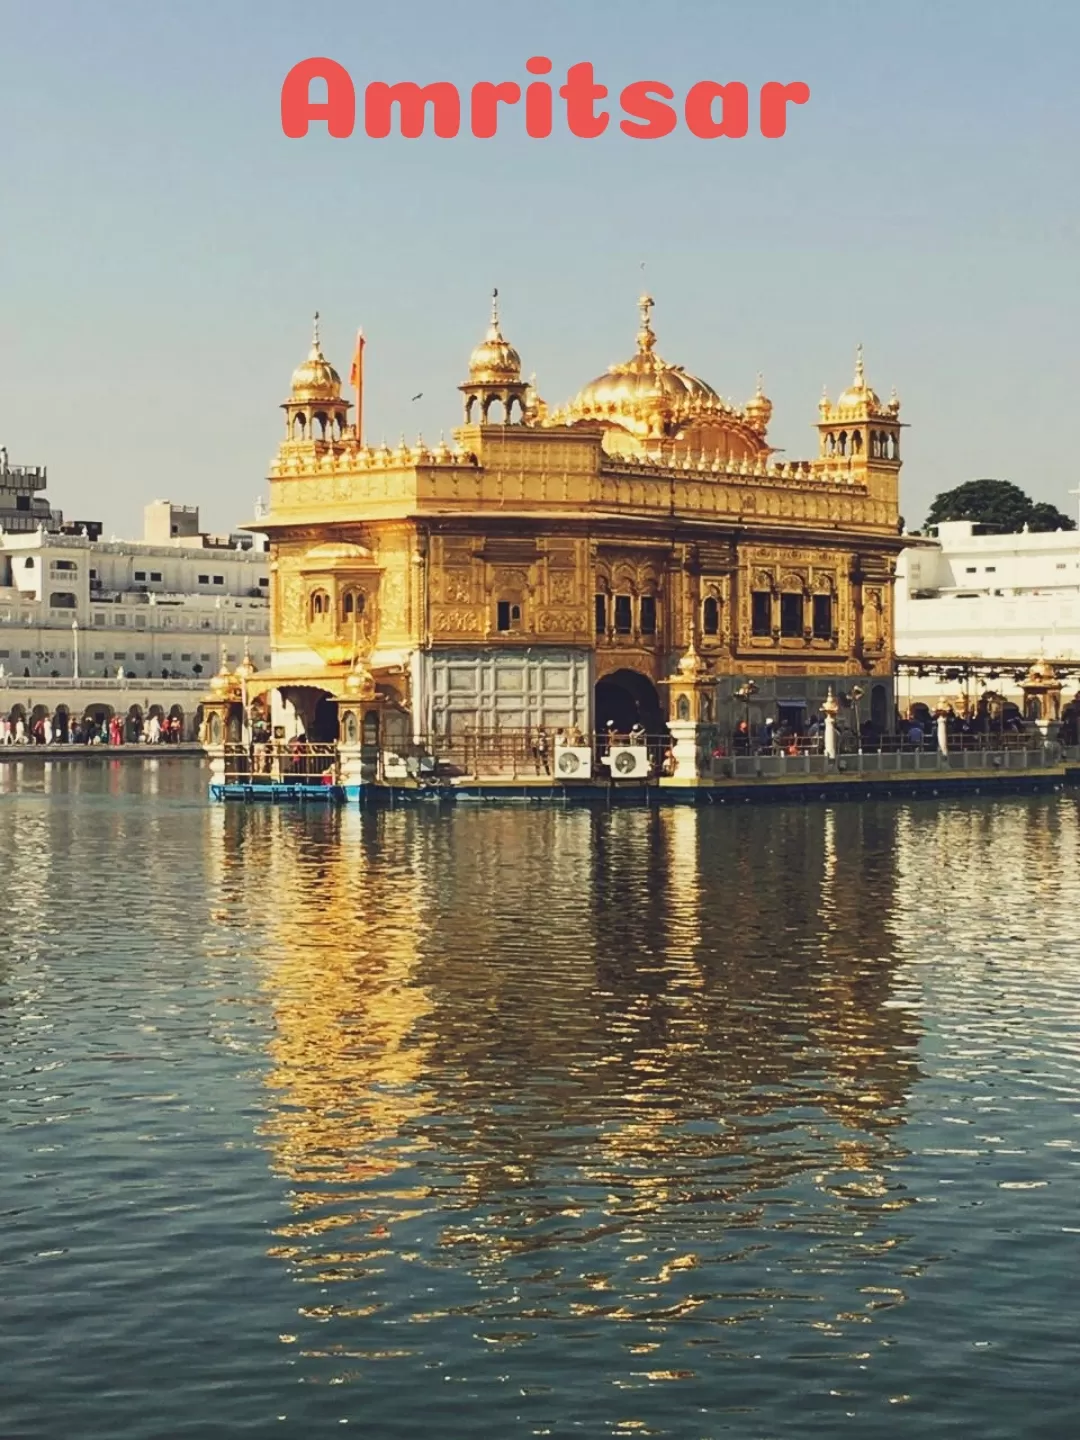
x: 646, y: 1004
x: 347, y: 1057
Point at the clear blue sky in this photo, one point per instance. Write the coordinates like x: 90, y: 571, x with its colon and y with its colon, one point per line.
x: 164, y: 244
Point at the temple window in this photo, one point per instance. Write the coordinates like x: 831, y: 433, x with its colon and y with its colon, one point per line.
x: 352, y: 604
x: 761, y: 613
x: 601, y: 614
x: 624, y: 615
x: 856, y: 441
x: 710, y: 616
x: 841, y: 443
x: 823, y: 625
x: 320, y: 604
x: 791, y: 614
x: 507, y: 616
x: 647, y: 614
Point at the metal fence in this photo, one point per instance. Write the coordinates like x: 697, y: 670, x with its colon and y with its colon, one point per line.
x: 272, y: 762
x: 522, y: 755
x: 877, y: 762
x: 509, y: 754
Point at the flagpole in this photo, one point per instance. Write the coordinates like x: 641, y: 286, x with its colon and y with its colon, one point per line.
x: 358, y: 382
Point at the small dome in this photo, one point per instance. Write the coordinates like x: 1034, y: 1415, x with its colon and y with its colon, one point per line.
x: 316, y: 379
x: 494, y: 359
x: 223, y: 683
x: 1041, y: 673
x: 759, y: 409
x: 858, y: 392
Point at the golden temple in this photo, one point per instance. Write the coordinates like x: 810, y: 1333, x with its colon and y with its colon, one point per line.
x: 631, y: 557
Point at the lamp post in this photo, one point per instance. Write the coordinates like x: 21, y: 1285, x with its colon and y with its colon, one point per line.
x: 857, y: 693
x: 745, y: 693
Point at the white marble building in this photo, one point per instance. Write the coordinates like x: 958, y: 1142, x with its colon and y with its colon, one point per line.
x: 1004, y: 600
x: 172, y: 604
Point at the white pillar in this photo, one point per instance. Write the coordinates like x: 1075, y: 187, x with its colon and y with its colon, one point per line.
x: 942, y: 734
x: 693, y: 758
x: 830, y: 710
x: 830, y: 737
x: 75, y: 649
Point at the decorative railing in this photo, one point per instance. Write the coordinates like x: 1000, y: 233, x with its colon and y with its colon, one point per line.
x: 884, y: 762
x: 729, y: 496
x: 523, y: 755
x: 274, y: 762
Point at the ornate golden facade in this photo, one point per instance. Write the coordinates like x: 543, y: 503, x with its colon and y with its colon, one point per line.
x: 554, y: 566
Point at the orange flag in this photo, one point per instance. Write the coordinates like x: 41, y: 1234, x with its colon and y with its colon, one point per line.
x: 356, y: 380
x: 357, y: 371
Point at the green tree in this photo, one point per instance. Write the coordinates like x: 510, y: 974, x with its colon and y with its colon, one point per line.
x: 1045, y: 516
x: 999, y: 505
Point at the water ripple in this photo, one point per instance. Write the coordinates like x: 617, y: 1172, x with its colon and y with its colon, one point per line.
x: 514, y: 1123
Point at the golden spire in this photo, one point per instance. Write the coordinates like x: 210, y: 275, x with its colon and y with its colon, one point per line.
x: 858, y: 392
x: 246, y: 668
x: 494, y: 359
x: 646, y: 338
x: 759, y: 409
x: 316, y: 378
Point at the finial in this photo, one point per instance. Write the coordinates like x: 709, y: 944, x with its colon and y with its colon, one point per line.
x: 860, y: 375
x: 646, y: 337
x: 493, y: 329
x: 315, y: 335
x: 760, y: 386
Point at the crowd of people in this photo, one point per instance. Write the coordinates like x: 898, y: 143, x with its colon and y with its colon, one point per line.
x: 91, y: 729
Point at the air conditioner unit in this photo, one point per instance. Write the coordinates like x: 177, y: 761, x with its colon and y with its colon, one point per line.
x: 573, y: 762
x: 628, y: 762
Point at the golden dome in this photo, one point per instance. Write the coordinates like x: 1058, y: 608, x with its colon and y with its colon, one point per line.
x: 858, y: 392
x: 759, y: 409
x: 1041, y: 673
x: 645, y: 388
x: 494, y: 360
x: 223, y: 683
x: 361, y: 683
x: 316, y: 379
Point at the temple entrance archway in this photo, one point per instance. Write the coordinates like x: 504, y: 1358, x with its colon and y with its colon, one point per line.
x: 324, y: 722
x: 305, y: 710
x: 627, y: 698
